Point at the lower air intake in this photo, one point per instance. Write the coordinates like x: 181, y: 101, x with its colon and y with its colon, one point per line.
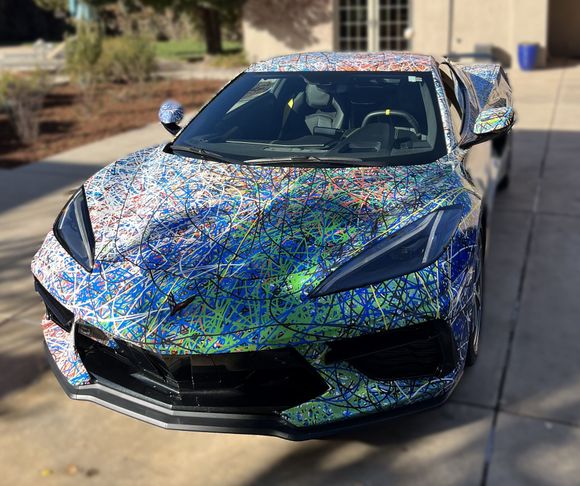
x: 417, y: 351
x: 251, y: 382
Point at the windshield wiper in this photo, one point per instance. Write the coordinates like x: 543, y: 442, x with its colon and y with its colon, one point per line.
x: 309, y: 161
x: 303, y: 160
x: 201, y: 152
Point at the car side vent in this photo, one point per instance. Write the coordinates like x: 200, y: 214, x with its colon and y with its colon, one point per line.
x: 55, y: 311
x: 416, y: 351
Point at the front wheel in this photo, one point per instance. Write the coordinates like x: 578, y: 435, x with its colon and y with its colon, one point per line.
x: 476, y: 309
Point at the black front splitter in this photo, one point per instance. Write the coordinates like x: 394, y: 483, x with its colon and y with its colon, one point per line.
x: 152, y: 412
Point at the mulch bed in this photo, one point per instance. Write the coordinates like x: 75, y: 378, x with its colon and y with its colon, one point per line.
x: 67, y: 122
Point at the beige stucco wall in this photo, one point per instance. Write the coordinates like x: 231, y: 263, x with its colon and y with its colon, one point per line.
x: 476, y: 22
x: 273, y: 27
x: 530, y: 24
x: 430, y: 24
x: 276, y: 27
x: 502, y: 23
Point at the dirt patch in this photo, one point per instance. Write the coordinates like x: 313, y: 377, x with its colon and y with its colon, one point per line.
x: 65, y: 122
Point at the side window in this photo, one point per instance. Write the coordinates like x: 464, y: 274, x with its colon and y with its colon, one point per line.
x: 452, y: 94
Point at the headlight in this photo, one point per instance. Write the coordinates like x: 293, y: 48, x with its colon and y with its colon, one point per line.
x: 74, y: 232
x: 411, y: 248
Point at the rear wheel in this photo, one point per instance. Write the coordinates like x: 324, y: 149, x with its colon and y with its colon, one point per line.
x: 476, y: 308
x: 504, y: 182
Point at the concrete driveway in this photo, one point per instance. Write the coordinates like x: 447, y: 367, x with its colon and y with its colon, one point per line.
x: 514, y: 419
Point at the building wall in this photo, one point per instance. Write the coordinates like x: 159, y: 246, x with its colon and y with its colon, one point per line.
x: 530, y: 24
x: 497, y: 22
x: 476, y: 22
x: 430, y: 24
x: 276, y: 27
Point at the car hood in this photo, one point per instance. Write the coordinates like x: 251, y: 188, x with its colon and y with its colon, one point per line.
x: 186, y: 221
x: 235, y: 245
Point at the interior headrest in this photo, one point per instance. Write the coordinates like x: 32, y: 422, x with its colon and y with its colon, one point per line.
x: 315, y: 97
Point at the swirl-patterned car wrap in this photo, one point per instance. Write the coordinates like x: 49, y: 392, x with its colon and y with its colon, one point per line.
x: 245, y: 245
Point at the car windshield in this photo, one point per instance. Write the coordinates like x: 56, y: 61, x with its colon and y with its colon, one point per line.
x: 367, y: 118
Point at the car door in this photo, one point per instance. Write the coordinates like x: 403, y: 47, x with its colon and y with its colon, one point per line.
x: 477, y: 160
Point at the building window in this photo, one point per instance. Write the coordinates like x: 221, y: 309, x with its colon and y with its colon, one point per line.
x: 353, y: 35
x: 393, y: 20
x: 373, y: 25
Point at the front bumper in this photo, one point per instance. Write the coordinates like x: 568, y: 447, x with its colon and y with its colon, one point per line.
x: 164, y: 416
x: 79, y: 385
x: 352, y: 395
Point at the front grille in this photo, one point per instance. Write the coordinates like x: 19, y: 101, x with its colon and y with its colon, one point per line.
x: 421, y: 350
x: 252, y: 382
x: 55, y: 311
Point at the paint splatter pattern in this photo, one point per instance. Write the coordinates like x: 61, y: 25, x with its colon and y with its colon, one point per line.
x: 61, y: 347
x: 162, y: 235
x: 246, y: 244
x: 346, y: 61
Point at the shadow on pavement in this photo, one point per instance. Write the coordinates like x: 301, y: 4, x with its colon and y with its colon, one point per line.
x: 16, y: 284
x: 20, y: 371
x: 410, y: 450
x: 25, y: 184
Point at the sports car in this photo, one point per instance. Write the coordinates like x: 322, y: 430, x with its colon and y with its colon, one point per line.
x: 305, y: 256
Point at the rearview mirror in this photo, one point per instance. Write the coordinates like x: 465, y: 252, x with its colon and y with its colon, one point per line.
x: 170, y: 114
x: 494, y: 121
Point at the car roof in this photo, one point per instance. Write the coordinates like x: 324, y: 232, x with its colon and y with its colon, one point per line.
x: 346, y: 61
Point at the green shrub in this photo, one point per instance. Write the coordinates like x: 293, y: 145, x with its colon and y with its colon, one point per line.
x: 127, y: 59
x: 22, y: 95
x: 82, y: 55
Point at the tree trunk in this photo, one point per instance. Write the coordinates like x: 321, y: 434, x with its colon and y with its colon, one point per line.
x: 212, y: 30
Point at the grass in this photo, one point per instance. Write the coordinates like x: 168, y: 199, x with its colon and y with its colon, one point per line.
x: 233, y: 60
x: 187, y: 49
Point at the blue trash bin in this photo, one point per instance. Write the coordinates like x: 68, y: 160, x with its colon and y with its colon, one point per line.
x: 528, y: 56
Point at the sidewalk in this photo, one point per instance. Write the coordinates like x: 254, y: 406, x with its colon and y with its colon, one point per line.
x: 29, y: 57
x: 196, y: 70
x: 514, y: 419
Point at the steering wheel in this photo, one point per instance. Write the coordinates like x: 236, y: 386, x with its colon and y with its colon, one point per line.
x: 403, y: 114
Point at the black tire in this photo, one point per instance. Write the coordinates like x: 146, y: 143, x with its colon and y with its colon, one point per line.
x: 504, y: 182
x: 477, y: 307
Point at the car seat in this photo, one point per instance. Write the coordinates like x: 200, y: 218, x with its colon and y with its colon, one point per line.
x: 322, y: 109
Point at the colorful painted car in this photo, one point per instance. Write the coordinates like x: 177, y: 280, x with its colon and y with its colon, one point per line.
x: 305, y: 256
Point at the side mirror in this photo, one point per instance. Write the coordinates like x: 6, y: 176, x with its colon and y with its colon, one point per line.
x: 489, y: 124
x: 170, y: 114
x: 494, y: 121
